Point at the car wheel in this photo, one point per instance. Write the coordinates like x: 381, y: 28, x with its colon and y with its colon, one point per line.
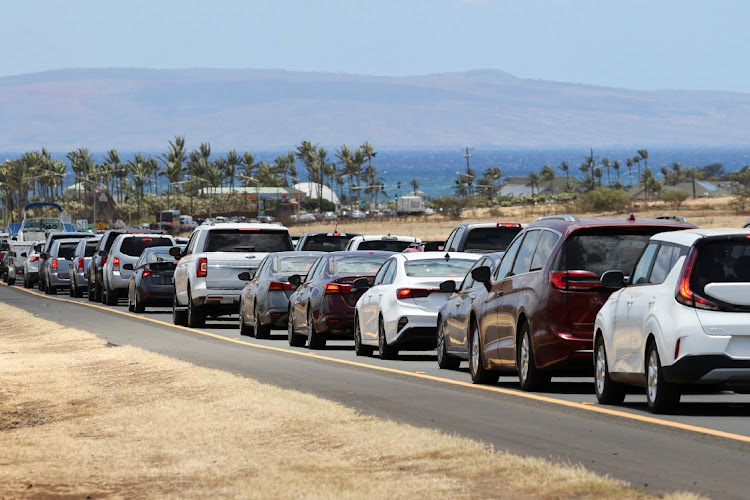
x: 359, y: 348
x: 26, y: 282
x: 317, y: 339
x: 479, y: 374
x: 138, y: 306
x: 261, y: 331
x: 195, y: 318
x: 78, y: 292
x: 179, y: 316
x: 662, y: 397
x: 41, y: 283
x: 607, y: 392
x: 11, y: 280
x: 99, y: 293
x: 531, y: 378
x: 110, y: 297
x: 49, y: 289
x: 295, y: 339
x: 386, y: 352
x: 131, y: 307
x: 92, y: 292
x: 445, y: 360
x: 244, y: 328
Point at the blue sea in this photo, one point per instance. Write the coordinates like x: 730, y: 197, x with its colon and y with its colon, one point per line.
x: 435, y: 169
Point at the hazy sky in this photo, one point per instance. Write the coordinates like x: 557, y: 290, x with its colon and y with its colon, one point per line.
x: 635, y: 44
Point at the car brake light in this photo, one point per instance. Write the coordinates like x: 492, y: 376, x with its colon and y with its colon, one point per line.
x: 574, y: 280
x: 414, y: 293
x: 80, y: 264
x: 146, y: 270
x: 201, y: 267
x: 148, y: 239
x: 116, y: 263
x: 508, y: 224
x: 332, y: 288
x: 249, y: 229
x: 277, y: 286
x: 34, y: 258
x: 685, y: 294
x: 104, y: 260
x: 54, y: 264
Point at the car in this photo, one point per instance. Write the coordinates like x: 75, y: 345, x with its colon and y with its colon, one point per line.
x: 126, y: 249
x: 31, y: 266
x: 358, y: 214
x: 264, y: 302
x: 307, y: 218
x: 399, y: 311
x: 453, y: 317
x: 678, y: 218
x: 535, y: 313
x: 429, y: 211
x: 680, y: 319
x: 330, y: 241
x: 387, y: 242
x: 322, y: 306
x: 330, y: 216
x: 206, y: 279
x: 43, y: 268
x: 82, y: 255
x: 482, y: 237
x: 151, y: 283
x: 56, y: 264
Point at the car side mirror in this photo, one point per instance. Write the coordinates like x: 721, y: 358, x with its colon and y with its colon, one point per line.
x: 42, y: 255
x: 448, y: 286
x: 245, y: 276
x: 175, y: 252
x: 102, y: 253
x: 481, y: 274
x: 128, y: 266
x: 613, y: 279
x: 361, y: 283
x: 295, y: 279
x: 23, y: 254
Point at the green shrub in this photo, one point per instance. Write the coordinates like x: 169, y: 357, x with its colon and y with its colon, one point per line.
x: 674, y: 197
x: 606, y: 199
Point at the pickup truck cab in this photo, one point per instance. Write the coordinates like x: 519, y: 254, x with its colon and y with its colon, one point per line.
x: 207, y: 279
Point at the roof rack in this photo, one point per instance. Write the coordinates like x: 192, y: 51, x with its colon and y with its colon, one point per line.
x: 568, y: 218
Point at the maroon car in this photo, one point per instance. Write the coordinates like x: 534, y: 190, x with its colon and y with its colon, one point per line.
x: 323, y: 304
x: 535, y: 314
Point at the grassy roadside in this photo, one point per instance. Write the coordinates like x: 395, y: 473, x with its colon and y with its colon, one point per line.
x: 79, y: 418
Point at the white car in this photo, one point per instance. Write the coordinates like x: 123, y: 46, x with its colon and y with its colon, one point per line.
x: 386, y: 242
x: 682, y: 317
x: 399, y: 311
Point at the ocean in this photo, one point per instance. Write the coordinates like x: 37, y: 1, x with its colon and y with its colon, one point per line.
x: 435, y: 169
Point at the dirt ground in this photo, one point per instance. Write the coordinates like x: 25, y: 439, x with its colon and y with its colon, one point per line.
x: 80, y: 418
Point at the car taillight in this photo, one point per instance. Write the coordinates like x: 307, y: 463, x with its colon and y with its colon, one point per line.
x: 80, y: 264
x: 54, y: 264
x: 574, y: 280
x: 116, y: 263
x: 414, y: 293
x: 337, y: 288
x: 34, y: 258
x: 508, y: 224
x: 201, y: 267
x: 104, y: 260
x: 277, y: 286
x: 146, y: 270
x: 685, y: 294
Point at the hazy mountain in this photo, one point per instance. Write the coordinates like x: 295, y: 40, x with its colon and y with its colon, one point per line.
x: 139, y: 109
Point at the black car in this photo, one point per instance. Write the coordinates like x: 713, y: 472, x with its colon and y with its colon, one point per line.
x: 332, y: 241
x: 152, y: 283
x: 482, y: 237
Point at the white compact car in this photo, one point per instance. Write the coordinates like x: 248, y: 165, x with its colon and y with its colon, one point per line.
x: 399, y: 311
x: 682, y: 317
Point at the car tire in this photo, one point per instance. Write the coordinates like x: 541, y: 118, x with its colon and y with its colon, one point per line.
x: 607, y: 391
x: 386, y: 351
x: 78, y: 292
x: 479, y: 374
x: 244, y: 328
x: 49, y: 289
x: 295, y: 340
x: 92, y: 292
x: 195, y: 318
x: 41, y: 283
x: 317, y: 339
x: 359, y: 348
x: 179, y: 316
x: 261, y: 331
x: 11, y: 280
x: 26, y: 282
x: 99, y: 293
x: 445, y: 360
x: 661, y: 396
x: 110, y: 297
x: 530, y: 377
x: 131, y: 306
x: 138, y: 306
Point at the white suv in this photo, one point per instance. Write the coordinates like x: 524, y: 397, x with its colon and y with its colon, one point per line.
x: 206, y: 278
x: 682, y: 317
x: 385, y: 242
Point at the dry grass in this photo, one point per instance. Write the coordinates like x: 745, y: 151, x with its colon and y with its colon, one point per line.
x: 79, y: 418
x: 710, y: 212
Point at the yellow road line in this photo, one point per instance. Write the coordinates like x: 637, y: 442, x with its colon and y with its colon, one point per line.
x: 588, y: 406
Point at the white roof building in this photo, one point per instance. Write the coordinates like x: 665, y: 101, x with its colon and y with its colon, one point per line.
x: 311, y: 191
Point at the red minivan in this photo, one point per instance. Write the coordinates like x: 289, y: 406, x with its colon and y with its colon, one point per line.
x: 535, y: 314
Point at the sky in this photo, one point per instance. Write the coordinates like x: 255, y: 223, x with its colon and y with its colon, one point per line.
x: 631, y: 44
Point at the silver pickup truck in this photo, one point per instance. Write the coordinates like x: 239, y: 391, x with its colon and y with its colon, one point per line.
x: 206, y: 278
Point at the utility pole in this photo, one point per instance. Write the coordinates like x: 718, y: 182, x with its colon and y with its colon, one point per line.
x: 469, y: 177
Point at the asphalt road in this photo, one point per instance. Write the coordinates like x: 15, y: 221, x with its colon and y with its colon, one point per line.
x: 704, y: 449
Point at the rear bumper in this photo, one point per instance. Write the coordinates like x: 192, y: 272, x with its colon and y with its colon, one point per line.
x: 59, y: 280
x: 708, y: 369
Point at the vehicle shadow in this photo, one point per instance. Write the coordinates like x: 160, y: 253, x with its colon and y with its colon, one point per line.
x: 702, y: 409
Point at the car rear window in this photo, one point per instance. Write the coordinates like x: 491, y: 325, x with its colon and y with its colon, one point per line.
x: 385, y: 245
x: 357, y: 264
x: 490, y: 239
x: 238, y: 240
x: 90, y: 249
x: 604, y: 250
x: 325, y: 243
x: 435, y: 268
x: 134, y: 246
x: 66, y: 250
x: 296, y: 264
x: 721, y: 262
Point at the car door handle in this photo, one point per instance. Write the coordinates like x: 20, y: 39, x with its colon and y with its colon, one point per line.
x: 652, y: 301
x: 630, y: 301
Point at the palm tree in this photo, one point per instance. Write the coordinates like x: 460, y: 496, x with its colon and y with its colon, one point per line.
x: 616, y: 166
x: 598, y: 173
x: 248, y: 160
x: 221, y: 164
x: 533, y: 181
x: 285, y: 166
x: 491, y: 177
x: 605, y: 164
x: 139, y: 172
x: 629, y: 163
x: 637, y: 161
x: 415, y: 186
x: 548, y: 175
x: 565, y: 167
x: 643, y: 153
x: 233, y: 161
x: 173, y: 173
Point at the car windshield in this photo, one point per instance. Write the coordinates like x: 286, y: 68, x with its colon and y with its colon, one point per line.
x: 356, y: 264
x: 721, y: 262
x: 436, y: 268
x: 135, y: 246
x: 296, y: 264
x: 385, y: 245
x: 255, y: 240
x: 490, y: 239
x: 325, y: 242
x: 603, y: 251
